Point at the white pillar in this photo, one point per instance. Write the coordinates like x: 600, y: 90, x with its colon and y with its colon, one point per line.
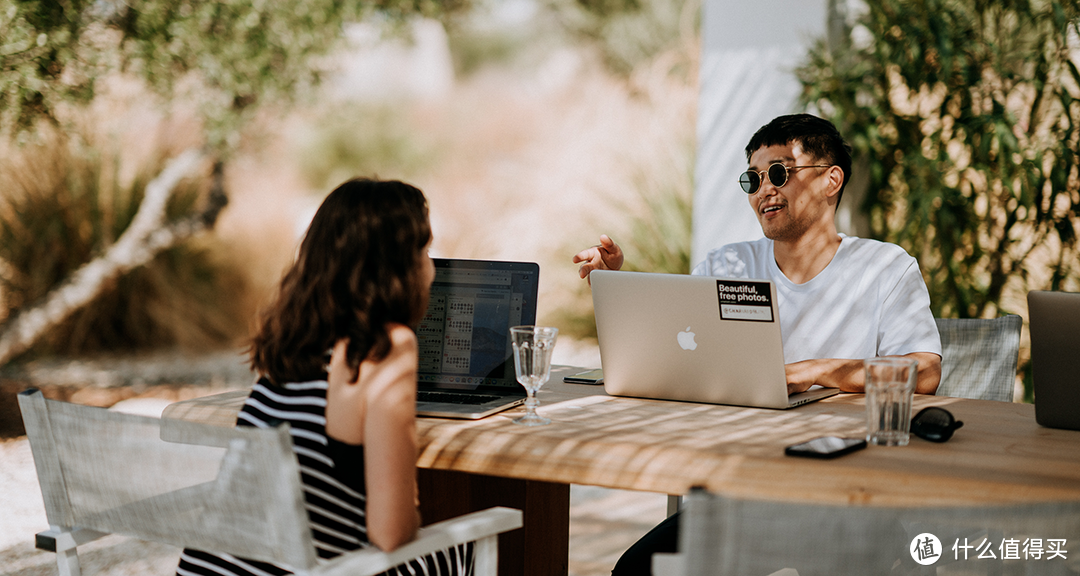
x: 749, y: 52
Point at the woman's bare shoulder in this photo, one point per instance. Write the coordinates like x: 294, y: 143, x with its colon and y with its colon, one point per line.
x: 402, y: 338
x: 400, y: 360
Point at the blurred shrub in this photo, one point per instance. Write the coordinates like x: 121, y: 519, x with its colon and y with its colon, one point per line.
x: 661, y: 234
x: 360, y: 140
x: 658, y: 233
x: 473, y: 47
x: 63, y: 203
x: 629, y: 32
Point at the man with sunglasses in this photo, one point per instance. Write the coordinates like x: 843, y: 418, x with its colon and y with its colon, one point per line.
x: 841, y: 299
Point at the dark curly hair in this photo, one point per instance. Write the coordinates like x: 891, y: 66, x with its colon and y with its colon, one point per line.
x: 357, y: 269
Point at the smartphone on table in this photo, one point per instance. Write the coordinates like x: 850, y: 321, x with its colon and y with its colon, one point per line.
x: 826, y: 447
x: 586, y: 377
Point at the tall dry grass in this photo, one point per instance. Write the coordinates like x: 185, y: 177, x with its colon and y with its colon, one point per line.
x: 67, y: 197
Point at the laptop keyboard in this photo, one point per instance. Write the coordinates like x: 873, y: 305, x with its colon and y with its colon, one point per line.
x: 451, y: 398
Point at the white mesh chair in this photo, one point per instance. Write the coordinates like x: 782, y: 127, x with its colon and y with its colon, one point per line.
x: 723, y: 536
x: 226, y: 490
x: 979, y: 357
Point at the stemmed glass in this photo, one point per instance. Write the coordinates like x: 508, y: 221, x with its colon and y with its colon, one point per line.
x: 532, y: 364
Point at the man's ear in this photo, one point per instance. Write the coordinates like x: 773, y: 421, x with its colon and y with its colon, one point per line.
x: 836, y: 181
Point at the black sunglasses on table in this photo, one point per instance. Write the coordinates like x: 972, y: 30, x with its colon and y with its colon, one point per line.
x: 934, y: 424
x: 777, y: 172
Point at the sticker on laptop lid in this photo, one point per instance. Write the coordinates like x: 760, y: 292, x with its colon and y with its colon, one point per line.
x: 749, y: 301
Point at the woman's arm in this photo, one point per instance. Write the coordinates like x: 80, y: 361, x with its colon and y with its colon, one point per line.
x: 389, y: 430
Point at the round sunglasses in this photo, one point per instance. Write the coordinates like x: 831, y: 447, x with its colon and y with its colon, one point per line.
x: 778, y: 175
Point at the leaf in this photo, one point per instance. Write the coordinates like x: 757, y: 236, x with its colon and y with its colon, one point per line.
x: 1007, y: 111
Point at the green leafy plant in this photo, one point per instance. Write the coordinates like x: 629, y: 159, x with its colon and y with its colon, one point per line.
x: 63, y: 203
x: 223, y: 55
x: 968, y: 114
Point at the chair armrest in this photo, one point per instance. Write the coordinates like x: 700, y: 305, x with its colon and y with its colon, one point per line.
x: 58, y: 540
x: 217, y: 409
x: 438, y: 536
x: 668, y: 563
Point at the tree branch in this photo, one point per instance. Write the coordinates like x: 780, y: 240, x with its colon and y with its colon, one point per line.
x: 144, y: 238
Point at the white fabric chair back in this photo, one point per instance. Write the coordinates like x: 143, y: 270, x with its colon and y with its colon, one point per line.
x: 979, y: 357
x: 758, y: 538
x: 234, y: 490
x: 195, y: 485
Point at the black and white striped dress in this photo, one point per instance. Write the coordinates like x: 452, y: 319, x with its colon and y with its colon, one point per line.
x: 332, y: 475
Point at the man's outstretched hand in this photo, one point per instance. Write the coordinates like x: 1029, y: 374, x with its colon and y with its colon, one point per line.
x: 605, y: 256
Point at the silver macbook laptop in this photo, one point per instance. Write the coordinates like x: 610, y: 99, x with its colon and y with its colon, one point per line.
x: 466, y: 360
x: 692, y: 338
x: 1054, y: 320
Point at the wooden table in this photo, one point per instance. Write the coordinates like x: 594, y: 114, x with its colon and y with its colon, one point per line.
x: 1000, y: 456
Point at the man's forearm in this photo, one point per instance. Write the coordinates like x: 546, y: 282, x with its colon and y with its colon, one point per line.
x: 929, y: 372
x: 849, y: 376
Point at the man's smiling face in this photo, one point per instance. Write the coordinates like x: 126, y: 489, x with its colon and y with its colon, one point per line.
x: 786, y: 213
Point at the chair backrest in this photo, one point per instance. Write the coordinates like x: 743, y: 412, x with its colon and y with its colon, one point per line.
x: 231, y: 490
x: 758, y: 538
x: 979, y: 357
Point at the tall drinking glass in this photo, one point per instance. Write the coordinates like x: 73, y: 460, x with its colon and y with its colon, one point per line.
x: 890, y: 383
x: 532, y: 364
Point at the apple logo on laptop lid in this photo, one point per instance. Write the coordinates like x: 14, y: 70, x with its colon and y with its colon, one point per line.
x: 686, y: 339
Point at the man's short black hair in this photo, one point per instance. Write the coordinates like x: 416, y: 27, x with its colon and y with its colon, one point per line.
x: 818, y: 137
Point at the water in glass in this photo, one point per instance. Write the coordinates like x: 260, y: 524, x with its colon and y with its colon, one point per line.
x: 890, y: 383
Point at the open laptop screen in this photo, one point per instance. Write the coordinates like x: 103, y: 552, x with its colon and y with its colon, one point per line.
x: 465, y: 334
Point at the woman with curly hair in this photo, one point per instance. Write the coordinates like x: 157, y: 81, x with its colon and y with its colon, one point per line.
x: 337, y: 358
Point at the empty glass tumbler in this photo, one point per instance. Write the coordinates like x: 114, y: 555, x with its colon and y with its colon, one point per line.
x: 890, y: 384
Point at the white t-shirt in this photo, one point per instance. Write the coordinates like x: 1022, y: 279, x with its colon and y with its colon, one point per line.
x: 869, y: 301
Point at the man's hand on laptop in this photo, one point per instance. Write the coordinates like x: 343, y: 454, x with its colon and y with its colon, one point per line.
x: 849, y: 376
x: 828, y: 372
x: 604, y: 256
